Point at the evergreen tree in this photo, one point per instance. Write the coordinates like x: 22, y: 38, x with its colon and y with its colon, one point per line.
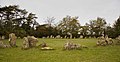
x: 117, y: 27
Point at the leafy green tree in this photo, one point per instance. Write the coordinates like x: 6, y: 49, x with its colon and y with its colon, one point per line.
x: 69, y: 26
x: 30, y: 23
x: 42, y: 30
x: 110, y: 32
x: 97, y: 26
x: 13, y: 19
x: 116, y: 27
x: 84, y: 31
x: 10, y: 18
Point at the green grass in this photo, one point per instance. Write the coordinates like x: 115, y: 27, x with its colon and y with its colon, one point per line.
x: 91, y: 54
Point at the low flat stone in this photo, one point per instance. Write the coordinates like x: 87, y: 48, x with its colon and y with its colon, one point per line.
x: 47, y: 48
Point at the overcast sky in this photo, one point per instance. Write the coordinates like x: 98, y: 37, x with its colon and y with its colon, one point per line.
x: 85, y: 9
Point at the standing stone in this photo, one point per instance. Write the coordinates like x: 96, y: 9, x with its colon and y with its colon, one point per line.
x: 48, y: 37
x: 25, y: 43
x: 58, y: 36
x: 32, y: 41
x: 0, y: 37
x: 29, y: 41
x: 51, y: 36
x: 118, y: 40
x: 69, y: 46
x: 81, y: 36
x: 12, y: 40
x: 3, y: 37
x: 1, y: 44
x: 71, y: 36
x: 65, y: 37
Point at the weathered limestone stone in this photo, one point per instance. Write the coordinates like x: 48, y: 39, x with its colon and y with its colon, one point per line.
x: 58, y: 36
x: 48, y: 37
x: 2, y: 45
x: 29, y: 41
x: 26, y: 44
x: 104, y: 41
x: 70, y: 46
x: 3, y: 37
x: 12, y: 40
x: 118, y: 40
x: 32, y: 41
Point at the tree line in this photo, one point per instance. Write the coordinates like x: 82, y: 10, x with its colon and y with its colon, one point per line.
x: 22, y: 23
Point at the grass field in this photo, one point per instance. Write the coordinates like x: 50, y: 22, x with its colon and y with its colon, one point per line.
x: 109, y: 53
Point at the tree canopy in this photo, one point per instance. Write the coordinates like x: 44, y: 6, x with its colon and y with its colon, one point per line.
x: 16, y: 20
x: 22, y: 23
